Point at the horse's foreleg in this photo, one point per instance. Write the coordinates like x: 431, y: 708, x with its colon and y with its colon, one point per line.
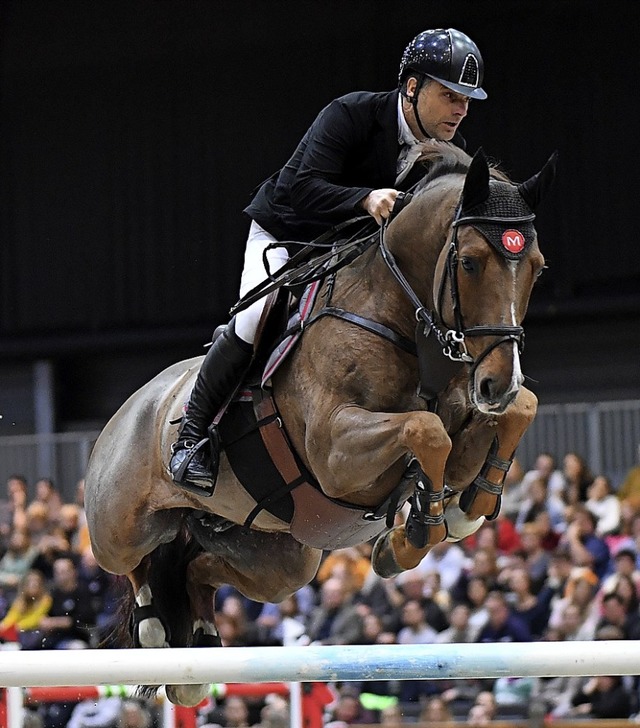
x: 366, y: 447
x: 483, y: 496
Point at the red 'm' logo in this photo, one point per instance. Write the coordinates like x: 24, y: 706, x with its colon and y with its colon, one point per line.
x: 513, y: 240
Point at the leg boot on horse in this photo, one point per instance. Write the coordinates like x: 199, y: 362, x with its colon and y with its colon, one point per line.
x: 193, y: 464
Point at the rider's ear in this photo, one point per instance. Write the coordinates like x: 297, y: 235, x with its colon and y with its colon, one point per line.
x: 476, y: 184
x: 535, y: 188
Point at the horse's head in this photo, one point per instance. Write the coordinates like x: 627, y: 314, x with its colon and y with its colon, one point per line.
x: 484, y: 277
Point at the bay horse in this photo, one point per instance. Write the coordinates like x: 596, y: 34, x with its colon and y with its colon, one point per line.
x: 405, y: 389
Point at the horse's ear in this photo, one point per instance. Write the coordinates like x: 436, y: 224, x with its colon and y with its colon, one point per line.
x: 476, y: 184
x: 534, y: 189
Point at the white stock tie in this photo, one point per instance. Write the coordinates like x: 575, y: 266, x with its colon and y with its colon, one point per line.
x: 406, y: 159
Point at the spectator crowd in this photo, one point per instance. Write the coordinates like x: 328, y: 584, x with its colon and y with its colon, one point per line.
x: 560, y: 563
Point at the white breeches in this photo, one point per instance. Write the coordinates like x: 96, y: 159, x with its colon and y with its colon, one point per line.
x: 254, y: 273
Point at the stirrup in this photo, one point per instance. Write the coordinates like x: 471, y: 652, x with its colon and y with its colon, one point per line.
x: 181, y: 479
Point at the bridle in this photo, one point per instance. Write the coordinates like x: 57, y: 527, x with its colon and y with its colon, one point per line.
x: 452, y: 339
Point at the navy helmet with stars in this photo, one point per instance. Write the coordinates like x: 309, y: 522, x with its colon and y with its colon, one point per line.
x: 448, y: 56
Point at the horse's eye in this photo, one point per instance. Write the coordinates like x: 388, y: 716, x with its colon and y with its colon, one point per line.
x: 467, y: 263
x: 541, y: 271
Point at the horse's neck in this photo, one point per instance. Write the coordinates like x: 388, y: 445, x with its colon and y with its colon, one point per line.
x: 416, y: 240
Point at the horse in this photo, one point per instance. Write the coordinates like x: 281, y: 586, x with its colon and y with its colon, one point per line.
x: 403, y: 396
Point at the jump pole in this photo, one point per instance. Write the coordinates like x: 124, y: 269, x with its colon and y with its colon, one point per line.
x: 317, y: 663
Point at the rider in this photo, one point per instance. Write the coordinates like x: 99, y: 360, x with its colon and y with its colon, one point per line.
x: 357, y: 155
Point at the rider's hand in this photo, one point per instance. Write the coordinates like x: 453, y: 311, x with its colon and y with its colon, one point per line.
x: 379, y: 203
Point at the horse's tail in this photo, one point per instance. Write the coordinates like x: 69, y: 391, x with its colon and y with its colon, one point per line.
x: 168, y: 583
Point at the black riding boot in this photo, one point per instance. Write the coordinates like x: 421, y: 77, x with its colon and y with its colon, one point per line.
x: 194, y: 465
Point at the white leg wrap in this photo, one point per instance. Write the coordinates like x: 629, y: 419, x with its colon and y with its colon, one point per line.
x: 150, y: 631
x: 458, y: 523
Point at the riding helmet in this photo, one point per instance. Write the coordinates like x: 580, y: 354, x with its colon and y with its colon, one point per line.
x: 448, y: 56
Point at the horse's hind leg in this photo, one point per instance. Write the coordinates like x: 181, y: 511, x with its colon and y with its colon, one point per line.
x: 483, y: 497
x: 148, y: 629
x: 263, y: 566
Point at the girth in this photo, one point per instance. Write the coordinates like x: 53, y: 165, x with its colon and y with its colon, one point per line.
x: 315, y: 519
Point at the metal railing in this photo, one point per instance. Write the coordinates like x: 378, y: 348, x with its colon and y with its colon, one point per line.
x: 606, y: 434
x: 63, y: 457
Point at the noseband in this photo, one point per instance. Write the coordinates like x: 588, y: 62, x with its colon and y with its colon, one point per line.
x: 453, y: 339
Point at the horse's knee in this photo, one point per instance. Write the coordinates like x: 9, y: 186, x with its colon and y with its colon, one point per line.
x: 424, y: 429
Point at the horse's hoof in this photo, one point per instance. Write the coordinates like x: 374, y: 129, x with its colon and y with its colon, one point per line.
x: 458, y: 523
x: 186, y: 695
x: 151, y: 633
x: 383, y: 560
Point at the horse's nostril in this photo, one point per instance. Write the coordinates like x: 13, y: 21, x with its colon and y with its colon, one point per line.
x: 488, y: 389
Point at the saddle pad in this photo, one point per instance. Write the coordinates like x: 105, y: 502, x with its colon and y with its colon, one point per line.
x: 296, y: 322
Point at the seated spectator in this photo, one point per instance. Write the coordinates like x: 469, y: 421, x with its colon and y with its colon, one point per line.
x: 348, y: 709
x: 12, y: 509
x: 134, y: 714
x: 577, y: 479
x: 538, y: 500
x: 498, y: 536
x: 233, y: 714
x: 550, y: 538
x: 625, y: 587
x: 574, y: 624
x: 436, y: 710
x: 415, y: 629
x: 533, y: 610
x: 536, y: 559
x: 31, y: 604
x: 47, y: 493
x: 284, y: 623
x: 99, y: 583
x: 461, y: 630
x: 51, y: 547
x: 37, y: 522
x: 433, y: 591
x: 616, y: 614
x: 477, y: 717
x: 603, y: 697
x: 587, y: 549
x: 624, y: 564
x: 604, y: 506
x: 412, y: 584
x: 71, y: 616
x: 336, y: 620
x: 351, y: 564
x: 629, y: 490
x: 101, y: 713
x: 16, y: 562
x: 69, y: 525
x: 447, y: 559
x: 502, y: 625
x: 483, y: 564
x: 476, y: 596
x: 545, y: 468
x: 579, y: 592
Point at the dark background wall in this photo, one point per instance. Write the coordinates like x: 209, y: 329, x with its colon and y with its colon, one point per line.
x: 132, y: 132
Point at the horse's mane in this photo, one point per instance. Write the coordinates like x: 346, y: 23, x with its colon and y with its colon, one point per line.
x: 443, y: 158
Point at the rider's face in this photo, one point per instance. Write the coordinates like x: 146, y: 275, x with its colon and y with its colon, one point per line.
x: 441, y: 110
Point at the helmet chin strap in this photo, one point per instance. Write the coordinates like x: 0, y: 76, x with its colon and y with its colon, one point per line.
x: 413, y: 100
